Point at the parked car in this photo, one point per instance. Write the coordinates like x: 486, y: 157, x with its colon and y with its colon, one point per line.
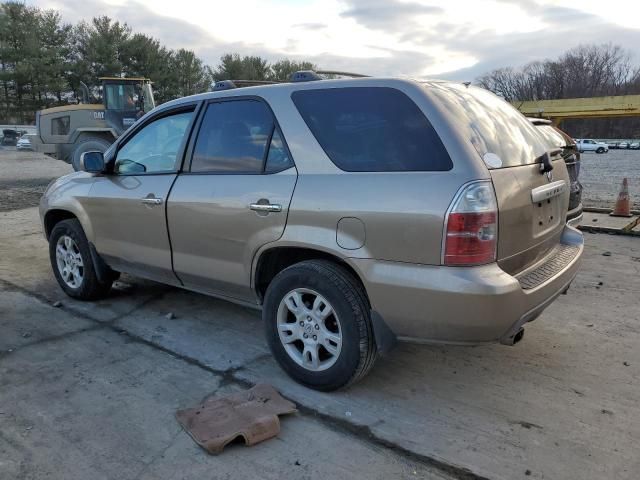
x: 24, y: 143
x: 9, y: 136
x: 353, y: 212
x: 612, y: 145
x: 635, y: 146
x: 623, y: 145
x: 589, y: 145
x: 557, y: 138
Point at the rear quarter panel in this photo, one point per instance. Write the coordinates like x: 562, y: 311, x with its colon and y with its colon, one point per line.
x: 402, y: 212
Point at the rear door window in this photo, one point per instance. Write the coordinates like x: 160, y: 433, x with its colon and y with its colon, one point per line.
x: 372, y: 129
x: 501, y: 135
x: 239, y: 136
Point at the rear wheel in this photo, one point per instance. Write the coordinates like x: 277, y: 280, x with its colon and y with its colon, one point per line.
x: 88, y: 144
x: 318, y: 325
x: 73, y: 264
x: 600, y: 150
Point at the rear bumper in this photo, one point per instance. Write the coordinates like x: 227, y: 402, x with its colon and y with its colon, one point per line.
x: 465, y: 305
x: 574, y: 217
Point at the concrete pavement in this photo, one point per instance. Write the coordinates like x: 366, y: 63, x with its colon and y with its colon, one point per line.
x: 89, y: 390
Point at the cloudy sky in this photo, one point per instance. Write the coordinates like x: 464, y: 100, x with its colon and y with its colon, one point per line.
x: 457, y: 39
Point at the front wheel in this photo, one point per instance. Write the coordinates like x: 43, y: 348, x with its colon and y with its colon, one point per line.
x: 600, y: 150
x: 318, y: 325
x: 73, y: 264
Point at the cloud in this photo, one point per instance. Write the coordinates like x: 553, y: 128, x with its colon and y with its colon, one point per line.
x: 393, y: 37
x: 387, y: 15
x: 566, y: 29
x: 310, y: 26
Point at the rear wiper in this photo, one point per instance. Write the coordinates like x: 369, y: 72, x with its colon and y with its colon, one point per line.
x: 545, y: 160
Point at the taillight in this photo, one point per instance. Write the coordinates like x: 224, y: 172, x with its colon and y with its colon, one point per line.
x: 471, y: 235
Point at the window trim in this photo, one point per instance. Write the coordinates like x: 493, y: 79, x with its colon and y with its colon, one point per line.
x: 195, y: 107
x: 188, y: 161
x: 384, y: 87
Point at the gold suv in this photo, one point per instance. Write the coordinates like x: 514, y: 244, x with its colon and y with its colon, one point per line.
x: 354, y: 212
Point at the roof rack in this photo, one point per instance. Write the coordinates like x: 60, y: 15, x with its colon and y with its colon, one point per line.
x: 344, y: 74
x: 299, y: 76
x: 229, y: 84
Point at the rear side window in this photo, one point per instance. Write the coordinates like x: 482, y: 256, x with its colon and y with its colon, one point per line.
x: 372, y: 129
x: 60, y: 126
x: 239, y: 136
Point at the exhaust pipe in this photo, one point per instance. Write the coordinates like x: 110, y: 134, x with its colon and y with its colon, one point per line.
x: 515, y: 338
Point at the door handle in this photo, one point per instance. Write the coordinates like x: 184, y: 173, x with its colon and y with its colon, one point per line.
x: 266, y: 207
x: 151, y: 201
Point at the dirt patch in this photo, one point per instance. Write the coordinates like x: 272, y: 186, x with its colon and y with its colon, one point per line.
x: 21, y: 193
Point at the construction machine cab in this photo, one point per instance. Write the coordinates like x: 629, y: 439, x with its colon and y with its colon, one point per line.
x: 66, y: 132
x: 125, y: 100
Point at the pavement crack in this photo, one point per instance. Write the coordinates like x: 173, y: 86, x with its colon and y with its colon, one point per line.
x: 228, y: 377
x: 52, y: 339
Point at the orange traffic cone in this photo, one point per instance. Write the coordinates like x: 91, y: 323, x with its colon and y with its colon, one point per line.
x: 623, y: 204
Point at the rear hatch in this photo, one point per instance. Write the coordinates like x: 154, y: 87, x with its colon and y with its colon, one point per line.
x: 532, y: 204
x: 559, y: 139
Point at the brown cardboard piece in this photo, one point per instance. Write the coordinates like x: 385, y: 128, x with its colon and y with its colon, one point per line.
x: 251, y: 414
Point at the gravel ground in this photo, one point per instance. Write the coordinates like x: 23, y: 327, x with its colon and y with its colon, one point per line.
x: 24, y: 177
x: 600, y: 175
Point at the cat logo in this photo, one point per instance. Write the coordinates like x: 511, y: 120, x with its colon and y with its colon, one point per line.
x: 99, y: 115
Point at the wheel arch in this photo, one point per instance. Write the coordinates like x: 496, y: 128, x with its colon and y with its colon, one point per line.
x: 79, y: 134
x: 55, y: 215
x: 269, y: 262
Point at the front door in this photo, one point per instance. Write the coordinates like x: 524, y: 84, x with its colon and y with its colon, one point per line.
x: 234, y: 198
x: 128, y: 206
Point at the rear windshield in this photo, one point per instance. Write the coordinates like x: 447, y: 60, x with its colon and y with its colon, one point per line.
x: 553, y: 137
x: 372, y: 129
x: 501, y: 134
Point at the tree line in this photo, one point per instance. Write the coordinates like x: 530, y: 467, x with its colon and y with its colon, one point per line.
x: 585, y: 71
x: 43, y: 60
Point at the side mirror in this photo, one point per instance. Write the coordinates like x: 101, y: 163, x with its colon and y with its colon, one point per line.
x: 92, y: 162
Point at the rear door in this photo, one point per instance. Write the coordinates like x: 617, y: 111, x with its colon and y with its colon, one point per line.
x: 532, y: 204
x: 233, y: 198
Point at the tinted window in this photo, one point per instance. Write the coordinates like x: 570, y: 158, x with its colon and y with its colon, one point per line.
x: 553, y: 138
x: 369, y: 129
x: 155, y: 147
x: 60, y: 126
x: 233, y: 138
x: 501, y: 135
x: 278, y: 158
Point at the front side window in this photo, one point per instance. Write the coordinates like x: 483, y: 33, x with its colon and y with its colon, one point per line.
x: 372, y: 129
x: 239, y: 136
x: 155, y: 147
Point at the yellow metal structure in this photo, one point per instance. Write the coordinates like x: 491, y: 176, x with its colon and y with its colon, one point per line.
x: 594, y: 107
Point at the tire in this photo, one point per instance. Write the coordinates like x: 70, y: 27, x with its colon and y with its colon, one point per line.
x: 85, y: 284
x: 600, y: 150
x: 350, y: 318
x: 88, y: 144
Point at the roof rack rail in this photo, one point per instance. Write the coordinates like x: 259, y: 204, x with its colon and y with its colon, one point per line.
x: 229, y: 84
x: 299, y: 76
x: 310, y: 75
x: 223, y: 85
x: 304, y: 76
x: 346, y: 74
